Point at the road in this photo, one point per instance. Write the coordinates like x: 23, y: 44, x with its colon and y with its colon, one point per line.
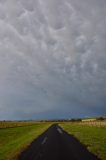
x: 56, y: 144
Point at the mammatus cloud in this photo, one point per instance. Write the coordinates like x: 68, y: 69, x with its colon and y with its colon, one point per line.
x: 52, y: 58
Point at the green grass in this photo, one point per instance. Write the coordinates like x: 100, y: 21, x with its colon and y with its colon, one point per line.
x: 12, y: 124
x: 93, y: 137
x: 14, y: 140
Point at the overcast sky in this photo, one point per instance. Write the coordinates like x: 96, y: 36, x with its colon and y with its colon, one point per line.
x: 52, y: 58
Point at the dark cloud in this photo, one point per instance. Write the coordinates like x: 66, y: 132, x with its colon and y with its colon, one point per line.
x: 52, y: 58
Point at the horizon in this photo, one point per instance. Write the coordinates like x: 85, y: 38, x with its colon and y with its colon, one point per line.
x: 54, y: 119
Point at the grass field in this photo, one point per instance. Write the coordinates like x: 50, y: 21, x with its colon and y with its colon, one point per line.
x: 14, y: 140
x: 16, y: 136
x: 93, y: 137
x: 94, y: 123
x: 12, y: 124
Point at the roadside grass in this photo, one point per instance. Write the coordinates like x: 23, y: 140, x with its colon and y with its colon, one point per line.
x: 15, y: 140
x: 94, y: 138
x: 12, y: 124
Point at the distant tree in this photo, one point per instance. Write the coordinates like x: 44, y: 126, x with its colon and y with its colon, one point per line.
x: 100, y: 118
x: 72, y: 120
x: 79, y: 120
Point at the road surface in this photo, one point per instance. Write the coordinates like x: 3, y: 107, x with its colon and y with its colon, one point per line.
x: 56, y: 144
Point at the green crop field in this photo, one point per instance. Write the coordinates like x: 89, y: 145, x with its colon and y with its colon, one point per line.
x: 14, y: 140
x: 93, y: 137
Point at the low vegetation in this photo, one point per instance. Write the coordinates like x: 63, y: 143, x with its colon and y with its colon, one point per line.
x: 12, y: 124
x: 16, y: 136
x: 14, y: 140
x: 93, y: 123
x: 92, y: 136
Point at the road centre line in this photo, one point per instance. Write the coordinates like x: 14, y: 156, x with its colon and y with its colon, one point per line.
x: 59, y: 130
x: 44, y: 140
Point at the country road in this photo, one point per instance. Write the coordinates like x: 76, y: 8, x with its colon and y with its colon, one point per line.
x: 56, y: 144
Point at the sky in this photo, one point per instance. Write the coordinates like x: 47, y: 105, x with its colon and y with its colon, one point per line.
x: 52, y: 59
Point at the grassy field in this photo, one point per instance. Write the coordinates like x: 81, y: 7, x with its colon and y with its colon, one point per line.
x: 16, y: 136
x: 94, y: 123
x: 14, y: 140
x: 92, y: 136
x: 12, y: 124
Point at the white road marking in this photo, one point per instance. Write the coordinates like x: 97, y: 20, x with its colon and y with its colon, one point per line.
x: 59, y: 130
x: 44, y: 140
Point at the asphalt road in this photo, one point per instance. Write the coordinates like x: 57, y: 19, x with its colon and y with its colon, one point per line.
x: 56, y: 144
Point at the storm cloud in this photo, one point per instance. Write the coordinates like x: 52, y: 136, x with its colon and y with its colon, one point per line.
x: 52, y: 58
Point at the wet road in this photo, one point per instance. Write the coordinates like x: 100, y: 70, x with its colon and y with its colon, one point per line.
x: 56, y: 144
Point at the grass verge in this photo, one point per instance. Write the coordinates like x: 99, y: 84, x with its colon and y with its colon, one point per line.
x: 14, y: 140
x: 93, y: 138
